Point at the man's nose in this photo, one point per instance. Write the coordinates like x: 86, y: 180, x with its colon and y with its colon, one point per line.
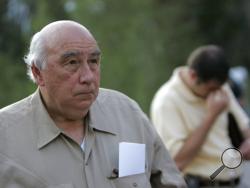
x: 86, y: 74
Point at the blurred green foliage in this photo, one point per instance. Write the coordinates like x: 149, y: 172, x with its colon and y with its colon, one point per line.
x: 142, y: 41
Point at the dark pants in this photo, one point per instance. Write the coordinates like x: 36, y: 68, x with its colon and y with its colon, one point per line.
x: 199, y: 182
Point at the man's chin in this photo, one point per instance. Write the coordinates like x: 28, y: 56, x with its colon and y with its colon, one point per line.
x: 78, y: 109
x: 84, y: 96
x: 78, y: 115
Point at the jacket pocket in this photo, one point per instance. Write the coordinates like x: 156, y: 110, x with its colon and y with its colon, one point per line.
x: 133, y: 181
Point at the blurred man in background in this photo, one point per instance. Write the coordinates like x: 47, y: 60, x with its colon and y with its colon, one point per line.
x: 67, y: 133
x: 190, y: 114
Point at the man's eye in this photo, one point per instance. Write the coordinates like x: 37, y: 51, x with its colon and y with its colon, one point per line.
x: 95, y: 61
x: 73, y: 62
x: 72, y: 65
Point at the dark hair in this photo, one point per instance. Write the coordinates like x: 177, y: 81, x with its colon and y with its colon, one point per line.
x: 210, y: 63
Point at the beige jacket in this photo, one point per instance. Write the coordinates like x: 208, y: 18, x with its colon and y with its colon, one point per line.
x: 35, y: 153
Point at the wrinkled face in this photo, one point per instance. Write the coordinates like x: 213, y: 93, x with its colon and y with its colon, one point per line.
x: 70, y: 81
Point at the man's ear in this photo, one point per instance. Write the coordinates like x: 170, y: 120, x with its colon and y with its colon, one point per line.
x: 193, y: 75
x: 37, y: 75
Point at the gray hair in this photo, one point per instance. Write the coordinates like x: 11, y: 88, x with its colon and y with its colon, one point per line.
x: 36, y: 56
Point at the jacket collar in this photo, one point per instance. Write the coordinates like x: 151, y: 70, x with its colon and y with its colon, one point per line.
x: 182, y: 88
x: 99, y: 118
x: 47, y: 130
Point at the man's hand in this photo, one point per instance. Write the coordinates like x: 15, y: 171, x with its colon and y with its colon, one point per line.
x: 216, y: 103
x: 245, y: 149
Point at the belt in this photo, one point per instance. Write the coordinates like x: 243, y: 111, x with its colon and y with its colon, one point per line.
x: 200, y: 181
x: 232, y: 182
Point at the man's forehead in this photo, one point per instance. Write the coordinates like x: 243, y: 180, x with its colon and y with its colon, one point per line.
x: 72, y: 53
x: 213, y: 85
x: 73, y: 45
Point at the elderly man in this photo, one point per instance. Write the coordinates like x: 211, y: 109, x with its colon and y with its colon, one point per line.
x: 190, y: 113
x: 67, y: 133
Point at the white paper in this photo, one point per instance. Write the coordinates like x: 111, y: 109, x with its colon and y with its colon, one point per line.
x: 131, y: 159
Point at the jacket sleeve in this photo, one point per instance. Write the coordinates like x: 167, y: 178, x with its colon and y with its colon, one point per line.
x: 14, y: 175
x: 163, y: 171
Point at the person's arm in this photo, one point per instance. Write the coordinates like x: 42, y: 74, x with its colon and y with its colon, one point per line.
x: 163, y: 171
x: 14, y: 175
x: 243, y: 122
x: 245, y: 146
x: 246, y: 133
x: 216, y: 103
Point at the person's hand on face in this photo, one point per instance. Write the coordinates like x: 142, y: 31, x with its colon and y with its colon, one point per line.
x: 217, y: 102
